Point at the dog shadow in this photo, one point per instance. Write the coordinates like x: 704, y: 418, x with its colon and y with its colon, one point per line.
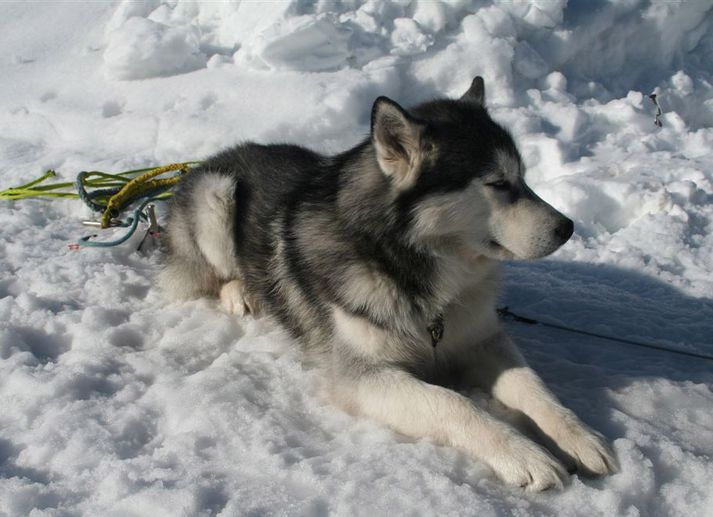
x: 611, y: 301
x: 589, y: 374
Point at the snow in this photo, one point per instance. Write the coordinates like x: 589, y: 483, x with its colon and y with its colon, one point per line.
x: 116, y: 402
x: 142, y: 48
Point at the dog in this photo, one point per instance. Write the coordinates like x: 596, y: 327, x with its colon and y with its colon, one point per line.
x: 383, y: 263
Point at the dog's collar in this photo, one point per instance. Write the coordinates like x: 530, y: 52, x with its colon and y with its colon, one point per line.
x: 436, y: 330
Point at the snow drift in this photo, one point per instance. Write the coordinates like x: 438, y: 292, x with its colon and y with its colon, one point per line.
x: 116, y: 402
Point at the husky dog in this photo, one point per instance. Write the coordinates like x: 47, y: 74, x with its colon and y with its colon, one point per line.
x: 383, y: 263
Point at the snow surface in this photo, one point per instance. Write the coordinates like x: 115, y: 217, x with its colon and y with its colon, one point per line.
x: 114, y: 402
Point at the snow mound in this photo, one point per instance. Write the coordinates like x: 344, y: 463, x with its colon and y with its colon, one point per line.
x: 117, y: 402
x: 301, y: 43
x: 142, y: 48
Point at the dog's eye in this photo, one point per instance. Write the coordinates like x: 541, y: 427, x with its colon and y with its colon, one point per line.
x: 499, y: 185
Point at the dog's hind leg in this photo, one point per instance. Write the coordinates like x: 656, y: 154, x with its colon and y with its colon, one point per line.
x: 215, y: 238
x: 184, y: 278
x: 499, y: 367
x: 201, y: 257
x: 236, y: 300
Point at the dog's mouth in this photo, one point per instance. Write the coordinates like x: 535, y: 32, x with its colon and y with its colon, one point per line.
x: 499, y: 251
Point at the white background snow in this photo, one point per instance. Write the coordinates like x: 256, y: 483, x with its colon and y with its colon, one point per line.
x: 115, y: 402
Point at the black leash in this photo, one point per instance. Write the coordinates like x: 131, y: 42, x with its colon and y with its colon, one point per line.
x: 506, y: 313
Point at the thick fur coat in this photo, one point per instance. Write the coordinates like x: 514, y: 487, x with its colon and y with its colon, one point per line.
x: 382, y: 262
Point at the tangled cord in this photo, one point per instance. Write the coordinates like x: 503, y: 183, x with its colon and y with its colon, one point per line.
x: 110, y: 194
x: 113, y: 200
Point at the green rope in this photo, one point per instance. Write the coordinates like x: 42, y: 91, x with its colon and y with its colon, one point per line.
x: 142, y: 186
x: 92, y: 180
x: 32, y: 189
x: 107, y: 193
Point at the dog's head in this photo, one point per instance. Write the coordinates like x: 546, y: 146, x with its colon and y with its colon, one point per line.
x: 457, y: 175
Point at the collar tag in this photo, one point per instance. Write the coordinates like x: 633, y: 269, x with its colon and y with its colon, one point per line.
x: 436, y: 330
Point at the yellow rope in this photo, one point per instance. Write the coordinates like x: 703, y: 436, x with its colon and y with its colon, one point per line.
x: 141, y: 184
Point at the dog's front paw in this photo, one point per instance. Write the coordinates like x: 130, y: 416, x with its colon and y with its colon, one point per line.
x: 587, y: 449
x: 520, y: 462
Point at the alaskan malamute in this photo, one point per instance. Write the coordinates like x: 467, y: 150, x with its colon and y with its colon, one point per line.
x: 383, y: 263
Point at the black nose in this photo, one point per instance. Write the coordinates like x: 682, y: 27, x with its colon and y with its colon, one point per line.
x: 565, y: 230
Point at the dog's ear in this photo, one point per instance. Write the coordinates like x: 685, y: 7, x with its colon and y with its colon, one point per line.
x: 476, y: 92
x: 396, y: 136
